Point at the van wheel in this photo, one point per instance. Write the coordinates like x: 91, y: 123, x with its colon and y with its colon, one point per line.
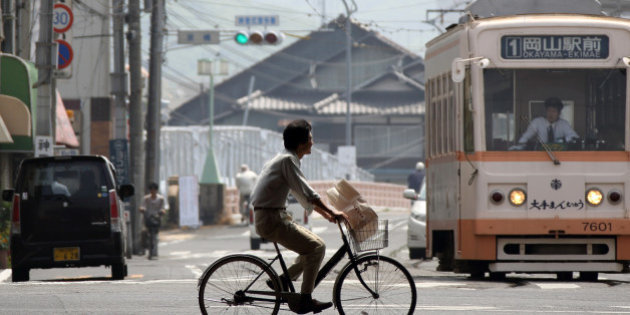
x: 118, y: 271
x: 254, y: 243
x: 564, y: 276
x: 19, y: 274
x: 588, y: 276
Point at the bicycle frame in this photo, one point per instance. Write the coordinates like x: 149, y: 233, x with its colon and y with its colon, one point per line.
x: 323, y: 272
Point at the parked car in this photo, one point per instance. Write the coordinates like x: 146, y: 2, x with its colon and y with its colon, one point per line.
x: 67, y: 212
x: 417, y: 223
x: 300, y: 216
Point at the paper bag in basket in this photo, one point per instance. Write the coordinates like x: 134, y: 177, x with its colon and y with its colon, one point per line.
x: 362, y: 218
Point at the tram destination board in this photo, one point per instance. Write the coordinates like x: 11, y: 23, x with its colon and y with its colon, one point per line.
x: 554, y: 47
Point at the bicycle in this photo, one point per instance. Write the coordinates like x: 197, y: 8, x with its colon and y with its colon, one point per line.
x: 368, y: 284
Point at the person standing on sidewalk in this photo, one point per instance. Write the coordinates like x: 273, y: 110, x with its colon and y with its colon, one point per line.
x: 279, y: 176
x: 153, y: 208
x: 245, y: 181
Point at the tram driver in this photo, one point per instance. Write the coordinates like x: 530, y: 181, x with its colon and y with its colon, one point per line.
x: 548, y: 129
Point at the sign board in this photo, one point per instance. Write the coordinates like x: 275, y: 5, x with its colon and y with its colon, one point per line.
x: 257, y: 20
x: 119, y: 156
x: 554, y: 47
x: 44, y: 146
x: 66, y: 152
x: 62, y: 18
x: 65, y: 54
x: 198, y: 37
x: 188, y: 201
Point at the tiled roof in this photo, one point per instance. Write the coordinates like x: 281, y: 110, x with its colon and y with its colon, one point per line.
x: 331, y: 105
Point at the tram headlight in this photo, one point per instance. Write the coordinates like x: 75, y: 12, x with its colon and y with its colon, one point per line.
x: 517, y: 197
x: 594, y: 196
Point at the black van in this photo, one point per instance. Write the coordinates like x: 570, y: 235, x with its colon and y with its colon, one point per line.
x: 67, y: 212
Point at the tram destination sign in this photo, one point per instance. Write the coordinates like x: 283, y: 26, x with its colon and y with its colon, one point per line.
x: 554, y: 47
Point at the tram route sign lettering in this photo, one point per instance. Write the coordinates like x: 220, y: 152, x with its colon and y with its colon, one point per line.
x: 555, y: 47
x: 556, y: 205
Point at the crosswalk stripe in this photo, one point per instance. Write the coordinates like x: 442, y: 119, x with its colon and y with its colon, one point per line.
x: 5, y: 274
x: 553, y: 286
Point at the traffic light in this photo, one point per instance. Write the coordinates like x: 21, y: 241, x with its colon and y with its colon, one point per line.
x: 259, y: 38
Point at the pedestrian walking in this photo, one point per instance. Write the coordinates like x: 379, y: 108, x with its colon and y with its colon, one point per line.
x: 245, y: 181
x: 414, y: 180
x: 153, y: 208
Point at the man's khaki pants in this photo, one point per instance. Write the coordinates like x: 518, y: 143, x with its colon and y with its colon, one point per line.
x: 278, y: 226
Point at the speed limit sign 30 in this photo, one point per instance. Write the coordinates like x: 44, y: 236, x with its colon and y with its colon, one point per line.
x: 62, y: 18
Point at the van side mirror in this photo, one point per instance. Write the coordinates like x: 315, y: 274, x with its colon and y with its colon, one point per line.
x: 410, y: 194
x: 7, y: 195
x: 126, y: 190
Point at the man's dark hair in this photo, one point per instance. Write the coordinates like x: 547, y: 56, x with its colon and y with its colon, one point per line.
x: 153, y: 186
x: 554, y: 102
x: 296, y: 133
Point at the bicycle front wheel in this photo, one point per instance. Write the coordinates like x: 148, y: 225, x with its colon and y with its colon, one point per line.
x: 393, y: 291
x: 238, y: 285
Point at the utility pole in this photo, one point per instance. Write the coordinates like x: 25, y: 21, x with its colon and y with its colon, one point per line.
x: 155, y: 93
x: 119, y: 86
x: 46, y: 100
x: 8, y: 27
x: 136, y: 120
x: 349, y: 12
x: 22, y: 29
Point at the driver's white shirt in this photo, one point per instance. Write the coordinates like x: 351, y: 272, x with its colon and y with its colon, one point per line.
x: 561, y: 130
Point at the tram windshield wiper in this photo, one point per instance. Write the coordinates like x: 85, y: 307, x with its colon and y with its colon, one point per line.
x: 547, y: 149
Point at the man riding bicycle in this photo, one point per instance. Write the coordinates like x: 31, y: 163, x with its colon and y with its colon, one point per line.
x: 279, y: 176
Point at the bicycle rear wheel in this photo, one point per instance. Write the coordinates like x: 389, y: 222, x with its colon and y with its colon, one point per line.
x: 228, y: 287
x: 394, y: 289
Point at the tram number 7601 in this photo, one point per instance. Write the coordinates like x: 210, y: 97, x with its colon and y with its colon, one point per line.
x: 597, y: 226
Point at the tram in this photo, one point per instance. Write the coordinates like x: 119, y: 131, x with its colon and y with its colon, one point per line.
x: 504, y: 195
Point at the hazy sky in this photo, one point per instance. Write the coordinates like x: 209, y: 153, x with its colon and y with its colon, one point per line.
x: 399, y: 20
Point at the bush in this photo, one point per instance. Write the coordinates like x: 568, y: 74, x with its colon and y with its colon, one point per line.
x: 5, y: 224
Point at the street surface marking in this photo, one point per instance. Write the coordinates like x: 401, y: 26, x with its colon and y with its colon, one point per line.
x: 4, y: 275
x: 396, y: 225
x: 455, y: 308
x: 553, y: 286
x: 439, y: 284
x: 195, y: 271
x: 160, y: 244
x: 120, y: 282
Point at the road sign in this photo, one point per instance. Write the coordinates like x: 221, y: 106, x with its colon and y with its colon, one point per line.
x: 198, y: 37
x: 119, y: 156
x: 256, y: 20
x: 43, y: 146
x: 62, y: 18
x: 65, y: 54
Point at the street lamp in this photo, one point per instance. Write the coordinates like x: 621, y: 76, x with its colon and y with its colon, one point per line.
x: 210, y: 169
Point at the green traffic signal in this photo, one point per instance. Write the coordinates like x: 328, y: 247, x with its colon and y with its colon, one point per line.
x: 241, y: 38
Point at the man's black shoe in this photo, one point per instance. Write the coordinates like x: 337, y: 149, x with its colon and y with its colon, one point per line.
x: 305, y: 304
x: 318, y: 306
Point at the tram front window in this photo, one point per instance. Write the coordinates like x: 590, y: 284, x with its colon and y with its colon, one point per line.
x: 568, y: 109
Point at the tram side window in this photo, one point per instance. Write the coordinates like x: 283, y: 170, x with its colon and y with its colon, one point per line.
x: 567, y: 109
x: 469, y: 143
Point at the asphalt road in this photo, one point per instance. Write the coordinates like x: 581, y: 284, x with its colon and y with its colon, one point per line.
x: 169, y: 285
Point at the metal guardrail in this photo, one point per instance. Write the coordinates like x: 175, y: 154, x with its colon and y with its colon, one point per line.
x: 183, y: 152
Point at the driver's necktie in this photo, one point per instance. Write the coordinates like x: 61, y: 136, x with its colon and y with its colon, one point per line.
x: 550, y: 136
